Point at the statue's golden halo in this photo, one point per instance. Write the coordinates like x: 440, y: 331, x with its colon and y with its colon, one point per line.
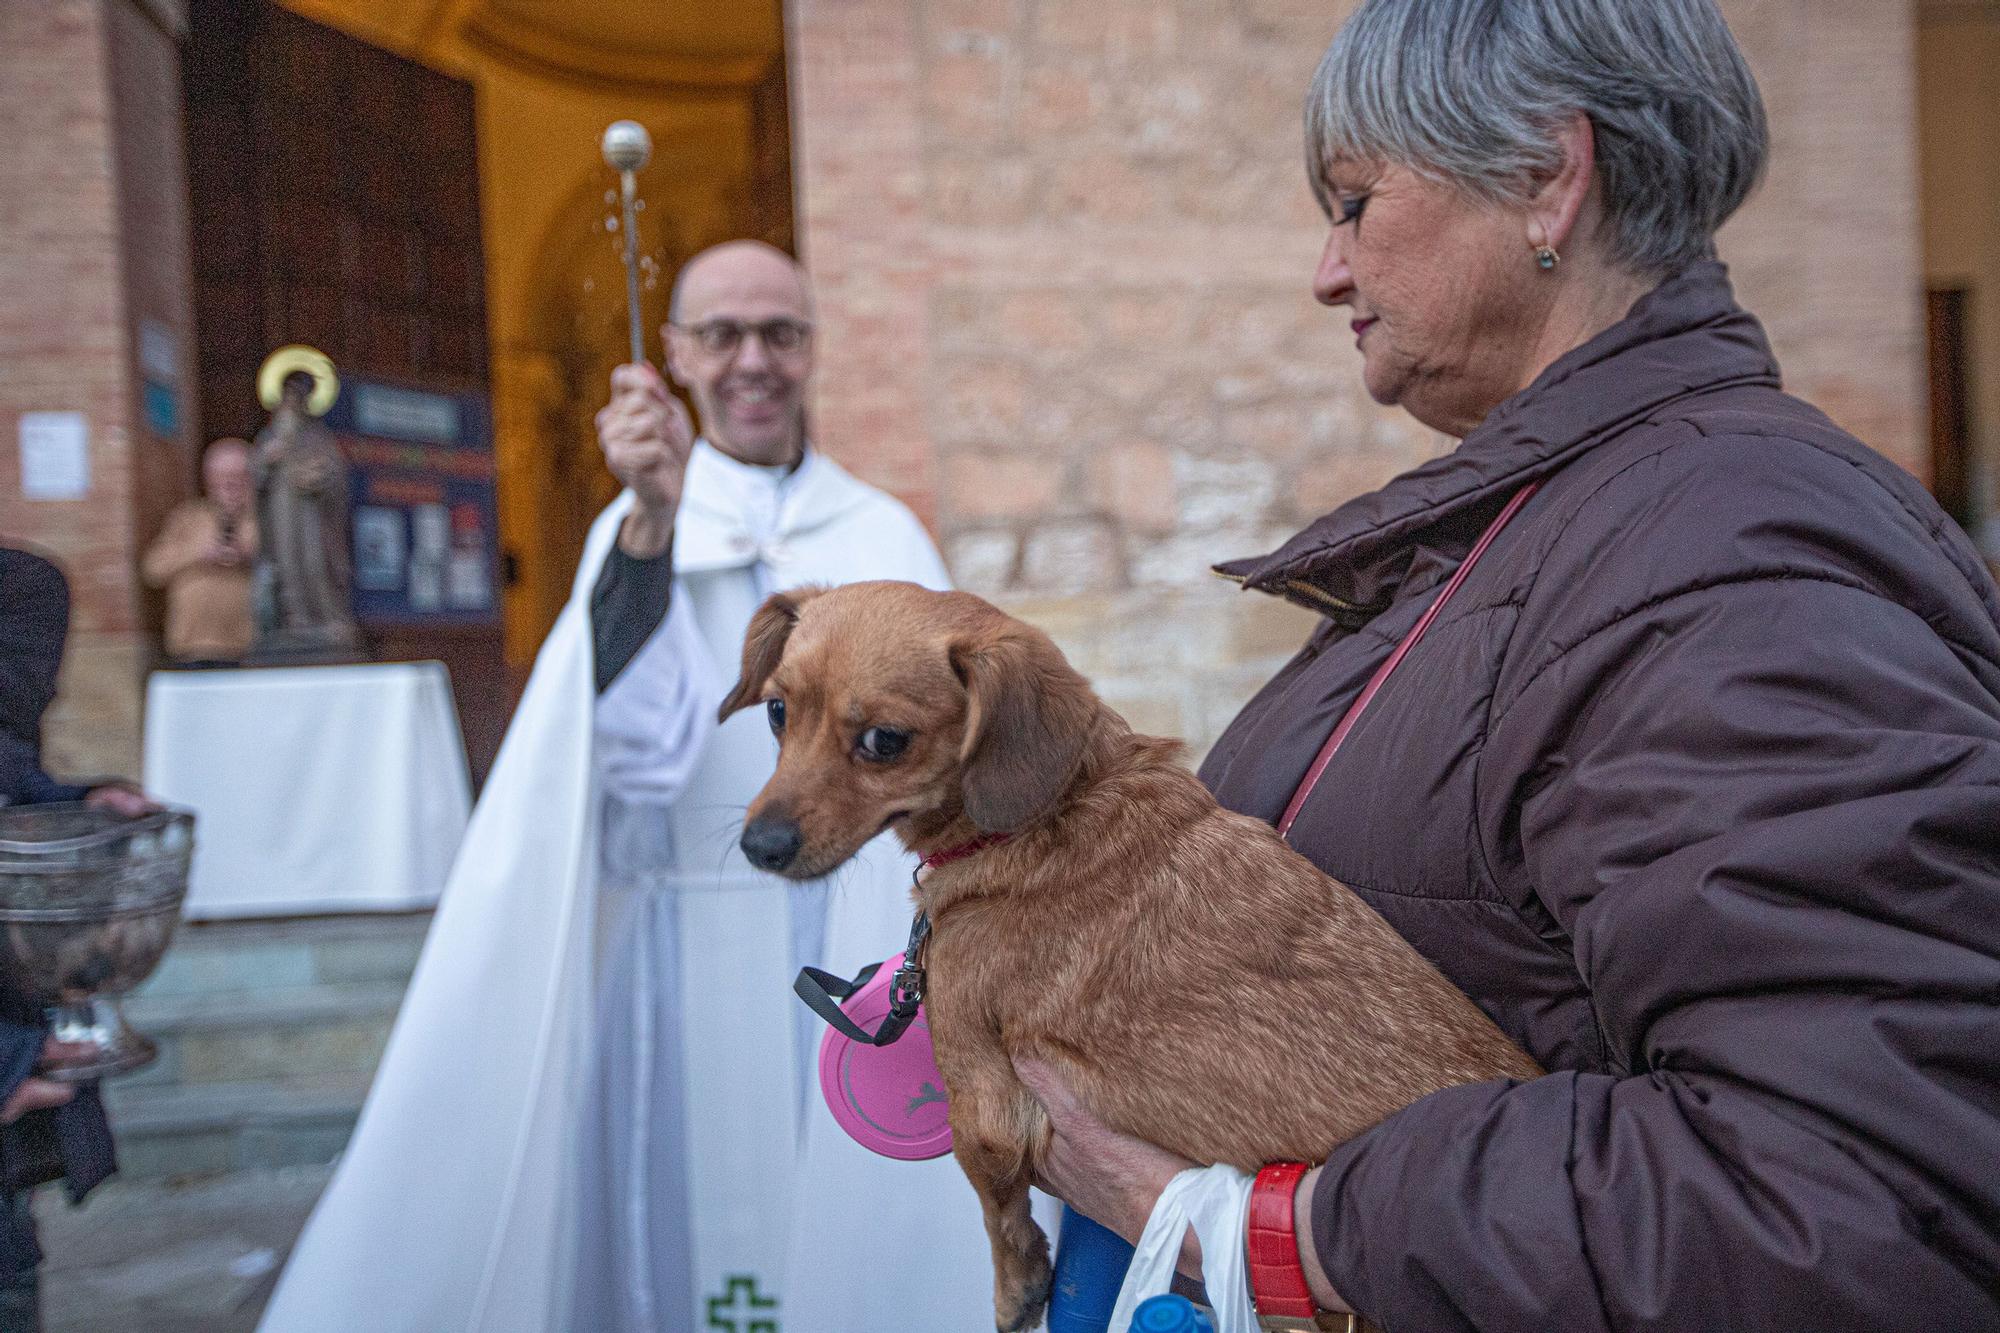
x: 289, y: 360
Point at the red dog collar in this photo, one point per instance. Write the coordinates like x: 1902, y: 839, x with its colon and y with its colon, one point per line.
x: 963, y: 850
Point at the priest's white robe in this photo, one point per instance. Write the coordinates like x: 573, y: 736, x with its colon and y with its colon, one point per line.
x: 598, y: 1112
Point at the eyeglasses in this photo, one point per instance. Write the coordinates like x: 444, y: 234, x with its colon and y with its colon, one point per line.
x: 722, y: 337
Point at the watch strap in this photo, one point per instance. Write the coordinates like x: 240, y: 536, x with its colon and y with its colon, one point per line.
x: 1277, y: 1278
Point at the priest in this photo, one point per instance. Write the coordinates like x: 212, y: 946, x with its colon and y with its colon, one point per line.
x: 599, y: 1108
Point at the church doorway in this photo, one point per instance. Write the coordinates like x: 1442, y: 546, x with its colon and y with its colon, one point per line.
x: 416, y: 188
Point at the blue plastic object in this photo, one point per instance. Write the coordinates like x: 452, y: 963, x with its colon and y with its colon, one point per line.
x: 1090, y: 1268
x: 1169, y: 1314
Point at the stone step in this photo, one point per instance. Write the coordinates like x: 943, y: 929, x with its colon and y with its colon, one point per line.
x: 197, y: 1129
x: 280, y: 1033
x: 269, y: 1032
x: 207, y: 958
x: 277, y: 1006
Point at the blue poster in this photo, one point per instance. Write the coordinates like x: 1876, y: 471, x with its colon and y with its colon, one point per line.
x: 425, y: 514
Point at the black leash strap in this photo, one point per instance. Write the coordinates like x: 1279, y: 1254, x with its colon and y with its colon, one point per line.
x: 823, y: 991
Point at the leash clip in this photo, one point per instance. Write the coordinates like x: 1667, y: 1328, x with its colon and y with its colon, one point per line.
x: 822, y: 992
x: 906, y: 992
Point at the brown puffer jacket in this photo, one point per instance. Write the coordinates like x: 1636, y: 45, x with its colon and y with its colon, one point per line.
x: 1695, y: 788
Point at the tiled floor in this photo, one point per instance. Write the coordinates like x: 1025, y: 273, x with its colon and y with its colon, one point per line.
x: 196, y: 1256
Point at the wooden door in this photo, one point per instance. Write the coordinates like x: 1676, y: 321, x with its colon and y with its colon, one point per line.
x: 335, y: 202
x: 1946, y: 323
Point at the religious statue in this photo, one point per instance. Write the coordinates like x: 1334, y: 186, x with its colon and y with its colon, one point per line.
x: 303, y: 590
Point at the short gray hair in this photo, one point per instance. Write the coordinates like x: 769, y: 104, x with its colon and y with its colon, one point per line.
x: 1470, y: 92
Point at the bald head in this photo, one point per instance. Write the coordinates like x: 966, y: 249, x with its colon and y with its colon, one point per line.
x: 739, y: 268
x: 739, y: 340
x: 225, y: 474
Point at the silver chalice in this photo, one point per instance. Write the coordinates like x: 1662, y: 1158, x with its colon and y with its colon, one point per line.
x: 88, y: 901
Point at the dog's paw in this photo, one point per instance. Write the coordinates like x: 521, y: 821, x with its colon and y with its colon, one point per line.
x: 1021, y: 1295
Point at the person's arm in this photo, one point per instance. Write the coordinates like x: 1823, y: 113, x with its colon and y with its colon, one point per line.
x: 23, y: 781
x: 23, y: 1050
x: 177, y: 548
x: 1764, y: 815
x: 654, y: 718
x: 20, y: 1052
x: 627, y: 605
x: 656, y: 692
x: 646, y: 438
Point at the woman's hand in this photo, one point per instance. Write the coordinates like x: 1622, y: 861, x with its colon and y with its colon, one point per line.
x: 121, y: 798
x: 1109, y: 1177
x: 1115, y: 1179
x: 60, y: 1054
x: 45, y: 1094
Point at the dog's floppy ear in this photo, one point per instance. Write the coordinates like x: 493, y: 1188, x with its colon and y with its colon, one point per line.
x: 1028, y: 718
x: 764, y: 645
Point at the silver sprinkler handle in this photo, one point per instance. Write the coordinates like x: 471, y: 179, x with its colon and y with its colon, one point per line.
x: 626, y: 148
x: 638, y: 330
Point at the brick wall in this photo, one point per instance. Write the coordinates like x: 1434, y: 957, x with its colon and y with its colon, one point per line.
x: 92, y: 239
x: 1063, y: 251
x: 1829, y: 252
x: 151, y: 166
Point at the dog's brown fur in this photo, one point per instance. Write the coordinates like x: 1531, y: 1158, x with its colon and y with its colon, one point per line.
x: 1197, y: 983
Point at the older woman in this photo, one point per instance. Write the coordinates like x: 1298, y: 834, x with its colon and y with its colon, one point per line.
x: 1694, y: 785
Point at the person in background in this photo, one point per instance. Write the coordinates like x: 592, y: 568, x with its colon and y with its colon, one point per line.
x: 203, y: 557
x: 48, y: 1130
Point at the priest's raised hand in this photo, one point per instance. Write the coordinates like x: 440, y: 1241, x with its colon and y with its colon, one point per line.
x: 646, y: 436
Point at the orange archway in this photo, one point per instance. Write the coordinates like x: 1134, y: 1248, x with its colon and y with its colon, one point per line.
x: 572, y: 332
x: 707, y: 79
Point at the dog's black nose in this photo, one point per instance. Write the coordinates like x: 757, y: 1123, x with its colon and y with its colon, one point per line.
x: 771, y: 843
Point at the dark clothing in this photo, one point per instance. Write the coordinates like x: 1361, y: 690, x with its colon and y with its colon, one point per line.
x: 627, y: 603
x: 20, y: 1293
x: 23, y: 781
x: 34, y: 620
x: 73, y: 1141
x: 1695, y: 788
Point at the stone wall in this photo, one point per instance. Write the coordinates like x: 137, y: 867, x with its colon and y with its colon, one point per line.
x: 92, y: 242
x: 1063, y: 255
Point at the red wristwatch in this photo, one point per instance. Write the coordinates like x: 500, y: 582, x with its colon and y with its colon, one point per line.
x: 1277, y: 1278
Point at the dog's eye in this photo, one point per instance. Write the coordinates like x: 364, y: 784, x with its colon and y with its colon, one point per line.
x: 882, y: 744
x: 775, y: 710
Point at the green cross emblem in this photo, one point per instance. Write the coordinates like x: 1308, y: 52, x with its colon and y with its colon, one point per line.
x: 736, y: 1310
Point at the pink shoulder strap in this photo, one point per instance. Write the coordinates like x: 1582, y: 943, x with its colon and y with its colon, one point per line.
x: 1395, y: 659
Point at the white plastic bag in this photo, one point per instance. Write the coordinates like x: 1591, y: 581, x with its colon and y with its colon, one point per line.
x: 1215, y: 1201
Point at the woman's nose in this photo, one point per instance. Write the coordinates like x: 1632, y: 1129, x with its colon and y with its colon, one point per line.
x: 1333, y: 282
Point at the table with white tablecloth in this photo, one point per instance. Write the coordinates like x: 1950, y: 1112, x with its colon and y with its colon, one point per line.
x: 316, y: 788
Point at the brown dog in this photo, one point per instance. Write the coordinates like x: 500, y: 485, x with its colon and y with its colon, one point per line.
x: 1196, y: 982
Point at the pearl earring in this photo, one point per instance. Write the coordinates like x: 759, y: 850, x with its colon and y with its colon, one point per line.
x: 1547, y: 258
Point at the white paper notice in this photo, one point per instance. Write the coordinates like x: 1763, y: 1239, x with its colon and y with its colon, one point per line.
x: 55, y: 456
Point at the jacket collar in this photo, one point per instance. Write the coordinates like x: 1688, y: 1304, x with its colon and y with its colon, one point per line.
x: 733, y: 514
x: 1686, y: 336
